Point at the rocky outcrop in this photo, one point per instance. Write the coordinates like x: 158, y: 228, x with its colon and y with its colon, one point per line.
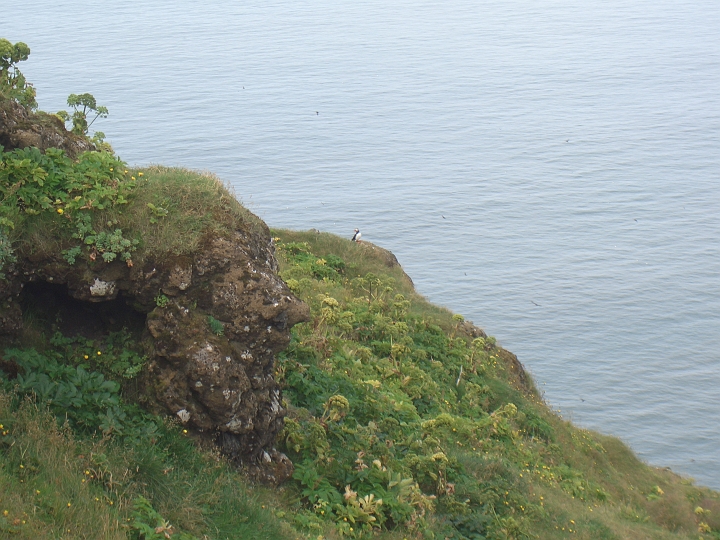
x: 214, y: 322
x: 21, y: 128
x: 222, y: 384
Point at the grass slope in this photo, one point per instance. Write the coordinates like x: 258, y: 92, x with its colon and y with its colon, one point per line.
x: 56, y: 482
x: 402, y: 423
x: 392, y: 400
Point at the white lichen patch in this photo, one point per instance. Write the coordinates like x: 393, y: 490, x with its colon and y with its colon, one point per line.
x: 102, y: 288
x: 183, y: 415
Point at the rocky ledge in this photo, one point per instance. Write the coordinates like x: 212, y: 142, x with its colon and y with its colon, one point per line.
x: 22, y: 128
x: 217, y: 379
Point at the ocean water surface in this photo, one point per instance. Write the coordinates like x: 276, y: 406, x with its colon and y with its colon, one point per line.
x: 550, y: 170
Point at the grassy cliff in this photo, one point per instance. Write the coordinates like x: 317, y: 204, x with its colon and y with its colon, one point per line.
x: 79, y: 457
x: 404, y: 420
x: 393, y: 398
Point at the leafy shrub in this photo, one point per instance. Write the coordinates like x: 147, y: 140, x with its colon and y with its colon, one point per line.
x: 12, y: 81
x: 116, y: 356
x: 83, y: 105
x: 328, y: 267
x: 50, y: 183
x: 86, y: 398
x: 376, y: 390
x: 118, y: 487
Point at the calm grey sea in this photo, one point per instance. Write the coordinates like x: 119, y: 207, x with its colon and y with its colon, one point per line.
x: 549, y: 169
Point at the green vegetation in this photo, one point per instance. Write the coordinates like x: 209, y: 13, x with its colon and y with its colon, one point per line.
x: 79, y: 458
x: 216, y: 327
x: 404, y: 421
x: 401, y: 422
x: 12, y: 82
x: 52, y: 204
x: 56, y: 482
x: 401, y: 425
x: 83, y: 105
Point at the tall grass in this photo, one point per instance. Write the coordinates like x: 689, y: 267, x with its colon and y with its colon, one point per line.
x: 56, y: 484
x: 194, y: 207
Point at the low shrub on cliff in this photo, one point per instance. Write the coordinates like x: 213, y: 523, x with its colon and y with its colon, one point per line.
x: 96, y: 209
x: 403, y: 419
x: 174, y: 210
x: 80, y: 381
x: 49, y: 203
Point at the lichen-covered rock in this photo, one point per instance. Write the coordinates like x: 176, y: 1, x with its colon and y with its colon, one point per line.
x: 214, y: 322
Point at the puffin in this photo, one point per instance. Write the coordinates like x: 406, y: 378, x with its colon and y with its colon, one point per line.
x: 357, y: 235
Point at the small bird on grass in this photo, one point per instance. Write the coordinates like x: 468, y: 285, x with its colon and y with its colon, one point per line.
x: 356, y: 236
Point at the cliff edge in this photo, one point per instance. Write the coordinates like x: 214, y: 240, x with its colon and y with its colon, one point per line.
x: 92, y: 247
